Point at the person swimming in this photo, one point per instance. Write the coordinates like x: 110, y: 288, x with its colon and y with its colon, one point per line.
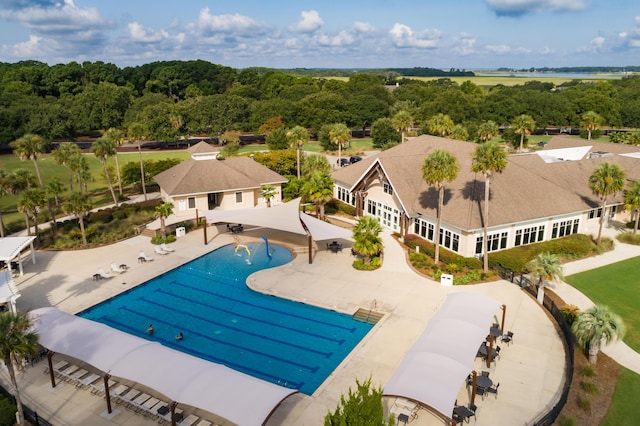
x: 150, y: 330
x: 179, y: 336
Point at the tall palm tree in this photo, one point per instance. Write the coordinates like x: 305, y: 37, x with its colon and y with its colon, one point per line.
x: 79, y: 205
x: 55, y: 187
x: 30, y: 203
x: 318, y: 189
x: 366, y: 234
x: 489, y: 158
x: 523, y: 125
x: 79, y: 166
x: 487, y: 131
x: 340, y: 135
x: 104, y: 148
x: 606, y: 179
x: 591, y: 121
x: 117, y: 136
x: 17, y: 340
x: 31, y: 147
x: 632, y: 202
x: 440, y: 124
x: 315, y: 163
x: 596, y: 326
x: 62, y: 155
x: 438, y: 168
x: 297, y: 137
x: 138, y: 132
x: 163, y: 211
x: 267, y: 192
x: 544, y: 267
x: 402, y: 121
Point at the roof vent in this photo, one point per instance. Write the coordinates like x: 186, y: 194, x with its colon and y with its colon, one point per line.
x: 600, y: 154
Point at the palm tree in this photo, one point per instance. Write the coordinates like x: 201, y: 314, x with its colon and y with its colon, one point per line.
x: 402, y: 121
x: 316, y: 163
x: 523, y: 125
x: 489, y: 158
x: 366, y: 234
x: 79, y: 205
x: 30, y: 147
x: 340, y: 135
x: 297, y: 137
x: 104, y: 148
x: 544, y: 267
x: 591, y: 121
x: 17, y: 340
x: 268, y: 191
x: 487, y: 131
x: 117, y: 136
x: 30, y: 203
x: 319, y: 190
x: 440, y: 124
x: 163, y: 211
x: 606, y: 179
x: 632, y: 202
x: 62, y: 155
x: 439, y: 167
x: 597, y: 326
x: 79, y: 166
x: 55, y: 188
x: 136, y: 133
x: 459, y: 133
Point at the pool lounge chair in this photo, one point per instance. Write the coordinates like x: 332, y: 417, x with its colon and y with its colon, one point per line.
x: 166, y: 248
x: 103, y: 274
x: 189, y: 421
x: 159, y: 250
x: 119, y: 269
x: 142, y: 257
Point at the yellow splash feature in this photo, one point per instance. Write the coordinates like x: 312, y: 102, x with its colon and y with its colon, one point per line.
x: 239, y: 246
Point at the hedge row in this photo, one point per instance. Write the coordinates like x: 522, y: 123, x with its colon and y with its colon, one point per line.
x: 446, y: 256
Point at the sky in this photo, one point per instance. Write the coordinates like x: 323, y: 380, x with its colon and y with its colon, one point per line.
x: 464, y: 34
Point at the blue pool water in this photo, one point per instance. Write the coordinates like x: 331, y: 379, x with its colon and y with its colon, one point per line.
x: 223, y: 321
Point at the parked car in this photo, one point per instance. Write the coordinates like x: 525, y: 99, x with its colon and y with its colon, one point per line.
x: 344, y: 162
x: 355, y: 159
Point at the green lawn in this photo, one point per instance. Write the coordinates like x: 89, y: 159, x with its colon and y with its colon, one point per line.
x: 624, y: 409
x: 616, y: 286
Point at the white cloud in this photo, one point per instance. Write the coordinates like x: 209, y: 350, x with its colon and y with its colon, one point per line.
x: 465, y: 45
x: 499, y: 49
x: 403, y: 36
x: 233, y: 25
x: 60, y: 18
x: 309, y: 22
x: 28, y: 49
x: 140, y: 34
x: 362, y: 27
x: 343, y: 38
x: 516, y: 8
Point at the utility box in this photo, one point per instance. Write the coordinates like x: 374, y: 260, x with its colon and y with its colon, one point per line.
x: 446, y: 280
x: 181, y: 231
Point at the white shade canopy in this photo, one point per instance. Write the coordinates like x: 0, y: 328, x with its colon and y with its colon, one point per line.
x: 437, y: 364
x: 235, y: 396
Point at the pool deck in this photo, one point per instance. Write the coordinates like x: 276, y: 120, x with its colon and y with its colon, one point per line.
x: 530, y: 370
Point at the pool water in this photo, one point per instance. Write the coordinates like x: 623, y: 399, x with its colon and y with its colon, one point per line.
x: 223, y: 321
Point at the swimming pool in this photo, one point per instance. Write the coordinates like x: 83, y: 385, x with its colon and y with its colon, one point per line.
x: 223, y: 321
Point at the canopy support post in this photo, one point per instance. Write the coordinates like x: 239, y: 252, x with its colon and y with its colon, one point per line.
x: 106, y: 392
x: 310, y: 239
x: 474, y: 375
x: 504, y: 314
x: 173, y: 413
x: 33, y: 253
x: 490, y: 352
x: 51, y: 376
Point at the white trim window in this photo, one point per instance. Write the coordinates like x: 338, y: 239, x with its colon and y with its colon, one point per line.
x: 595, y: 213
x: 529, y: 235
x: 239, y: 199
x: 387, y: 188
x: 425, y: 229
x: 448, y: 239
x: 345, y: 196
x: 191, y: 203
x: 565, y: 227
x: 496, y: 241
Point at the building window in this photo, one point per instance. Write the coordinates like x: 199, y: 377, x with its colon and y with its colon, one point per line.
x: 371, y: 207
x: 386, y: 187
x: 530, y: 235
x: 564, y: 228
x: 239, y: 197
x: 495, y: 242
x: 345, y: 196
x: 191, y: 202
x: 595, y: 213
x: 424, y: 229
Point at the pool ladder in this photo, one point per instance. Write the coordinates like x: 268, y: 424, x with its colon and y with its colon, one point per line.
x: 369, y: 316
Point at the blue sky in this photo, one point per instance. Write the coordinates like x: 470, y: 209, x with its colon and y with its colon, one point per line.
x: 469, y: 34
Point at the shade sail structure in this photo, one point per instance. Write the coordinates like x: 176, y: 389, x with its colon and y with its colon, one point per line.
x: 11, y: 247
x: 437, y: 364
x: 284, y: 217
x: 235, y: 396
x: 8, y: 291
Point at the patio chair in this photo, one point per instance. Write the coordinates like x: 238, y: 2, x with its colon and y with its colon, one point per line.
x: 142, y: 257
x: 104, y: 274
x: 481, y: 391
x: 494, y: 389
x: 159, y: 250
x: 119, y: 269
x: 507, y: 338
x: 474, y: 409
x: 166, y: 248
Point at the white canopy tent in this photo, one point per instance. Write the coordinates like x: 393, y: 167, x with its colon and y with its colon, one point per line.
x: 8, y: 291
x: 235, y: 396
x: 436, y: 366
x: 11, y: 247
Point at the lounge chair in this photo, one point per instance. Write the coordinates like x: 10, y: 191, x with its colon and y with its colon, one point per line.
x: 166, y: 248
x: 159, y: 250
x: 142, y: 257
x: 119, y: 269
x: 189, y: 420
x: 104, y: 274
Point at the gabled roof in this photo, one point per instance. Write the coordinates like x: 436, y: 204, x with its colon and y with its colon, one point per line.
x: 214, y: 175
x: 201, y: 148
x: 528, y: 188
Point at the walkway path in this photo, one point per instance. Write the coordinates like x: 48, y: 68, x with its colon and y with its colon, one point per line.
x: 618, y: 351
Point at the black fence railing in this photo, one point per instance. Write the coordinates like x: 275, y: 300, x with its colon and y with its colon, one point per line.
x: 29, y: 415
x: 549, y: 417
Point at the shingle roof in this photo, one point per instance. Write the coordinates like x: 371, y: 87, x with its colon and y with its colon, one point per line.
x: 201, y: 147
x: 528, y: 188
x: 204, y: 176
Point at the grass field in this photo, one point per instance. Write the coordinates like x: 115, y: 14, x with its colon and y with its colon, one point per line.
x: 624, y: 409
x: 616, y: 286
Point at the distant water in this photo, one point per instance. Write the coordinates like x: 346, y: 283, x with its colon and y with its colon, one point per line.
x: 575, y: 75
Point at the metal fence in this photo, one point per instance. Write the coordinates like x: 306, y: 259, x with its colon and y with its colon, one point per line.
x: 549, y: 417
x: 29, y: 415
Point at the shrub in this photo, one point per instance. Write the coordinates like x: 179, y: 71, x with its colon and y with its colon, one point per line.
x: 629, y: 238
x: 420, y: 260
x: 589, y: 387
x: 101, y: 216
x: 570, y: 313
x: 361, y: 266
x: 606, y: 244
x: 446, y: 256
x: 567, y: 421
x: 584, y: 402
x: 7, y: 412
x: 588, y: 370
